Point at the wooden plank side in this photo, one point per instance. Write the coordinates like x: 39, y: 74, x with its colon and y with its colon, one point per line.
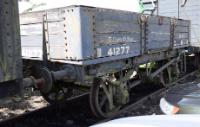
x: 181, y: 29
x: 181, y: 33
x: 37, y: 28
x: 106, y: 39
x: 109, y: 26
x: 32, y: 52
x: 37, y: 17
x: 56, y: 39
x: 31, y: 29
x: 116, y: 27
x: 32, y: 18
x: 158, y: 34
x: 113, y: 15
x: 158, y: 45
x: 57, y: 52
x: 160, y: 20
x: 180, y: 22
x: 159, y: 29
x: 32, y: 40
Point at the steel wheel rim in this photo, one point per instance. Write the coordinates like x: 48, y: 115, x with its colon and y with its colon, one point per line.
x: 99, y: 102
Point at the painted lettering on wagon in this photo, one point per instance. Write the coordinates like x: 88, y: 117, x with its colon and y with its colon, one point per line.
x: 113, y: 51
x: 119, y: 50
x: 122, y: 39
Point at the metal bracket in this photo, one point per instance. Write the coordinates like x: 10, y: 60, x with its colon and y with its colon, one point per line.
x: 154, y: 74
x: 164, y: 67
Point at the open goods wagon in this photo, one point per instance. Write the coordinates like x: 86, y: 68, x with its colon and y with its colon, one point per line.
x: 101, y: 50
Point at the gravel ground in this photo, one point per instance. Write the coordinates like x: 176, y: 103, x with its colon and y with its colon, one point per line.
x: 149, y: 107
x: 13, y: 106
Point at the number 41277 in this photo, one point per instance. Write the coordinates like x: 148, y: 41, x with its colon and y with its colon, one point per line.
x: 120, y: 50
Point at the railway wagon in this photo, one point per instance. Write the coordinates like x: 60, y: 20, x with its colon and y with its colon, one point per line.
x: 10, y: 49
x: 184, y: 9
x: 106, y: 52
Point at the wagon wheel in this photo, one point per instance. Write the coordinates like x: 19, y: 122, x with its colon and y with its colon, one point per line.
x: 57, y: 94
x: 170, y: 74
x: 102, y: 100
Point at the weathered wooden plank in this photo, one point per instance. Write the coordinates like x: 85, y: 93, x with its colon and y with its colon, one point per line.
x: 31, y: 29
x: 36, y: 29
x: 158, y: 34
x: 56, y: 52
x: 181, y: 29
x: 113, y: 15
x: 37, y: 40
x: 155, y: 28
x: 181, y: 35
x: 37, y: 17
x: 32, y: 51
x: 57, y: 39
x: 106, y: 39
x: 109, y: 26
x: 182, y: 22
x: 32, y: 40
x: 159, y: 20
x: 155, y: 44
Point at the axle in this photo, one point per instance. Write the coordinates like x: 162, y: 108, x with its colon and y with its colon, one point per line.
x: 48, y: 78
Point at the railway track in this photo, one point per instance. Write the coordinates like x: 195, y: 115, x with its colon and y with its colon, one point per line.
x: 76, y: 111
x: 61, y: 114
x: 154, y: 96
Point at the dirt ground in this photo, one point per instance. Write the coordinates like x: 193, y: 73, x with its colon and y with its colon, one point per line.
x: 13, y: 106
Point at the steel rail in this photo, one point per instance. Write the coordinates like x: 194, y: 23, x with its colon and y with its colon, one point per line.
x: 138, y: 103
